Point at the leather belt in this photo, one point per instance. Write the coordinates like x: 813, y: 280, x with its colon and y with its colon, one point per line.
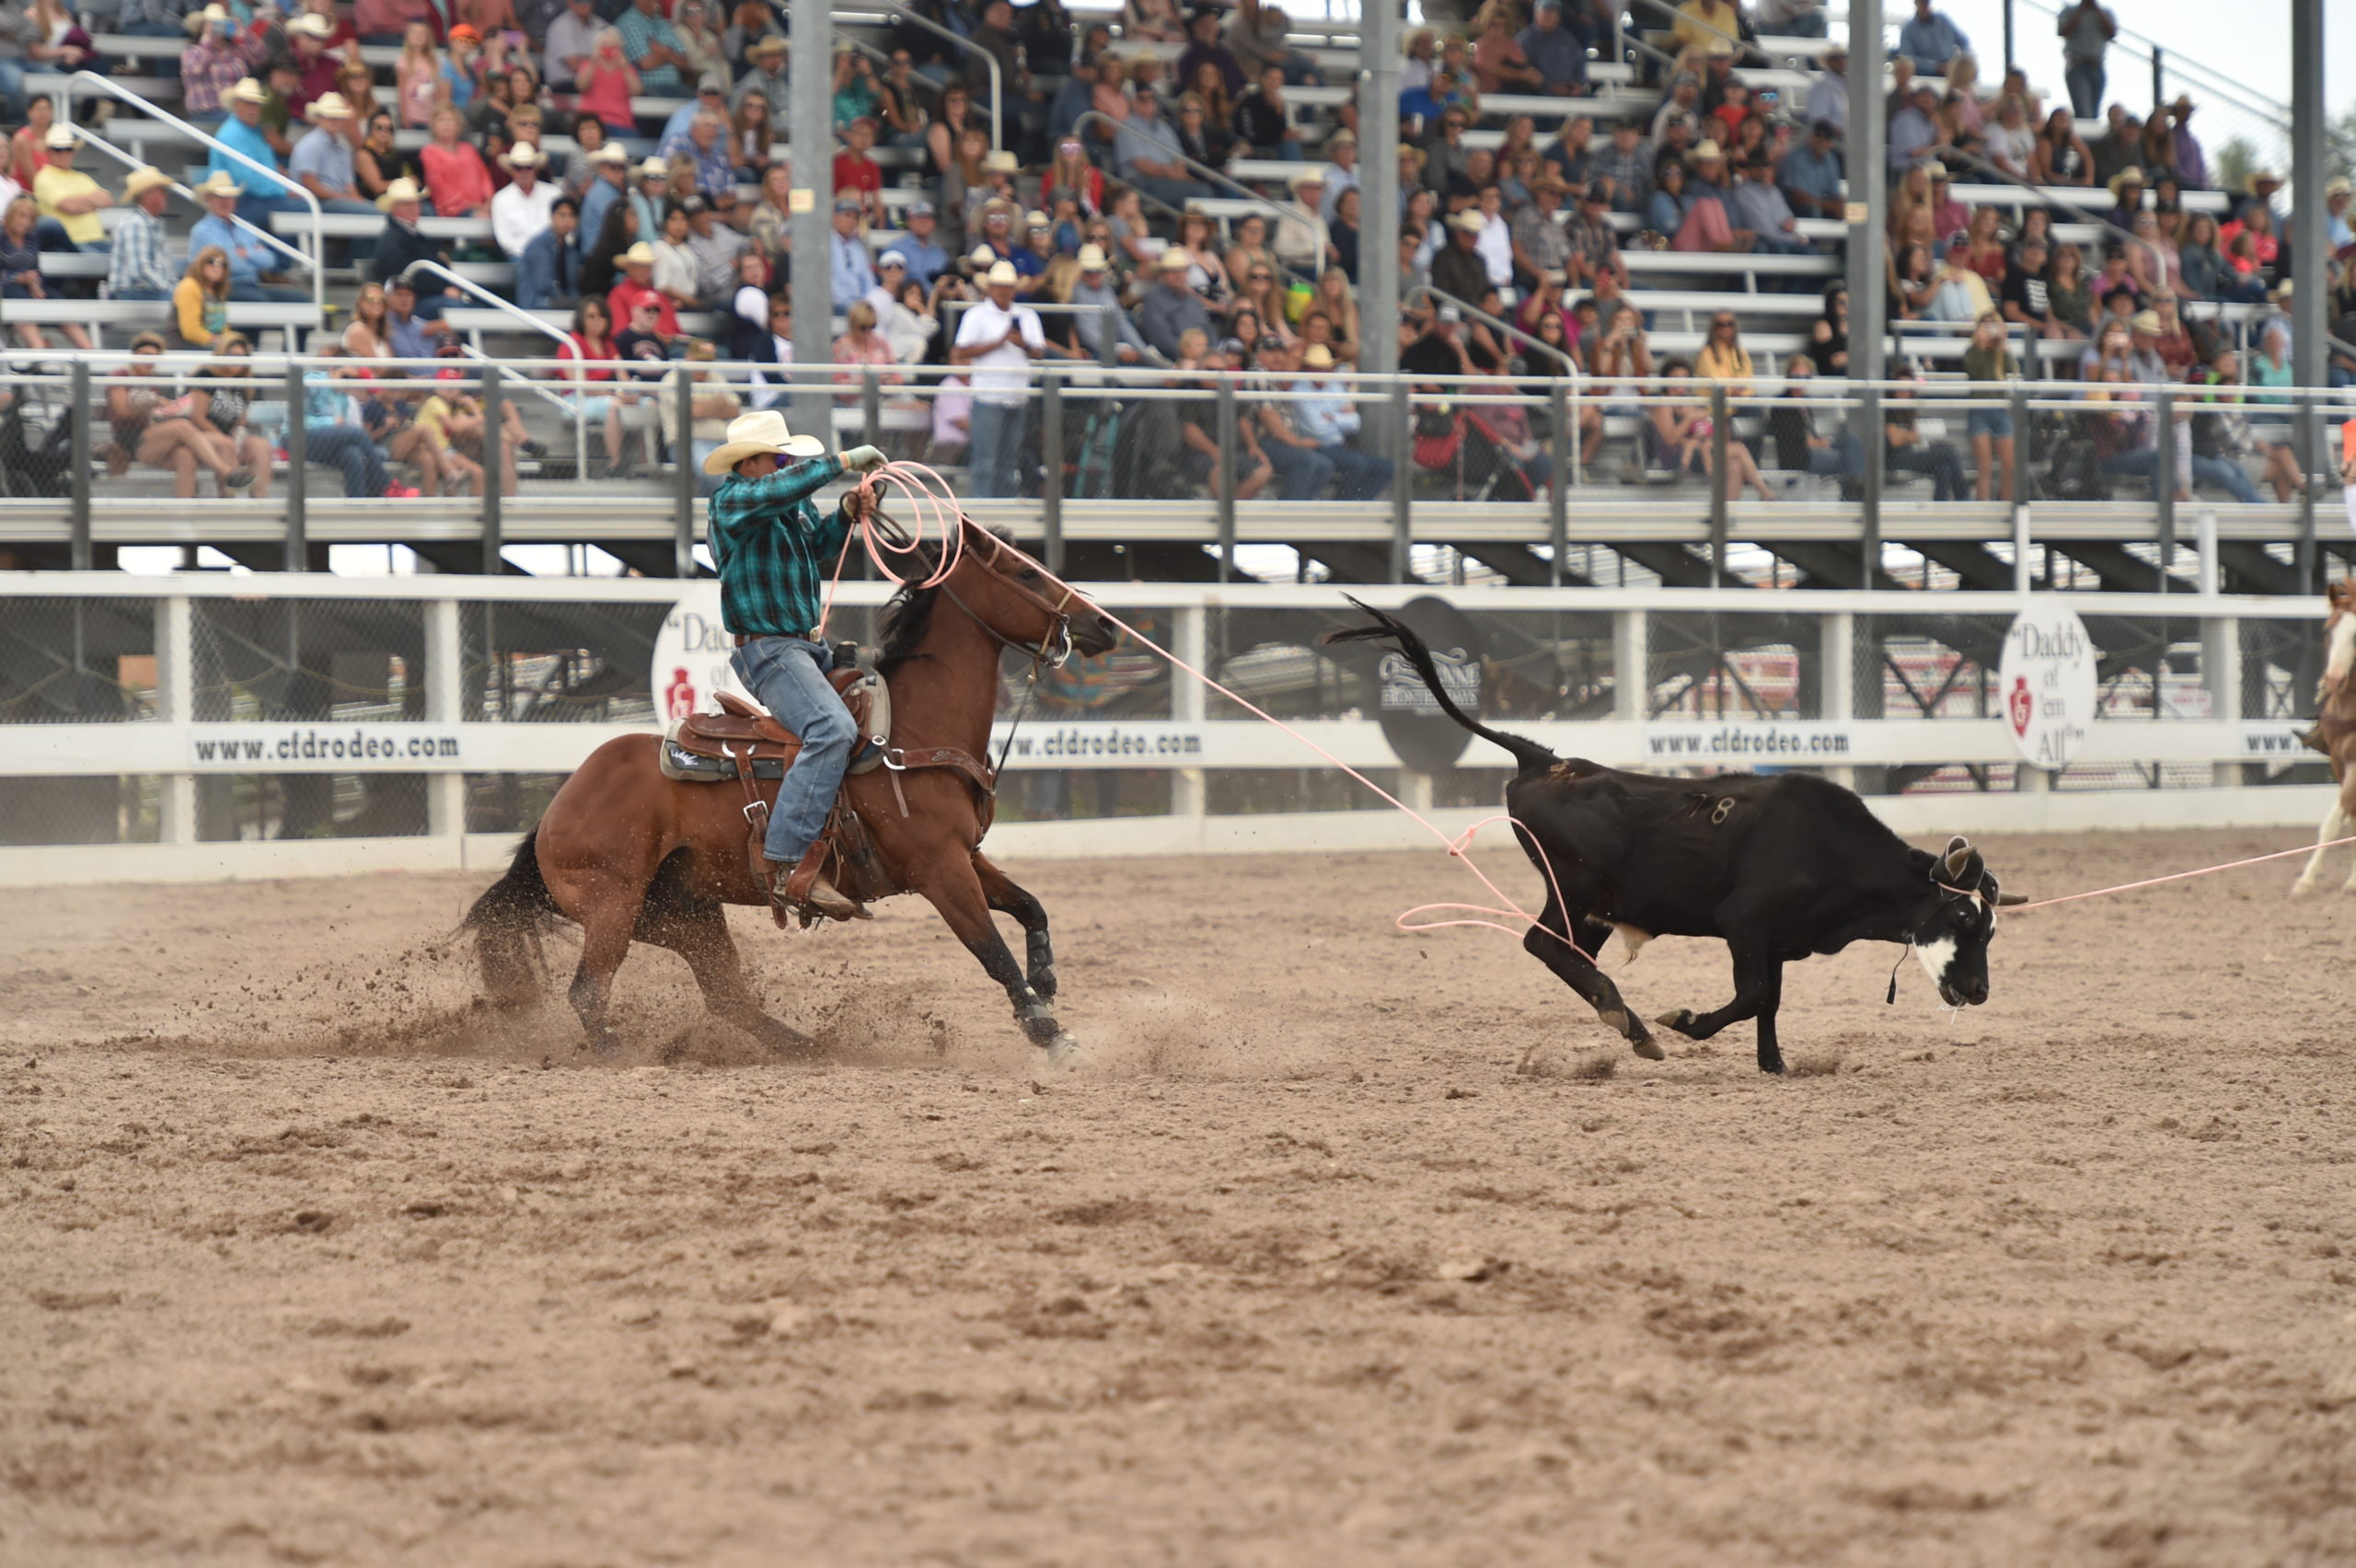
x: 744, y: 637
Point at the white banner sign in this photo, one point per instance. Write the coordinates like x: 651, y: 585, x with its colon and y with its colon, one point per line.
x: 2047, y: 680
x: 329, y: 748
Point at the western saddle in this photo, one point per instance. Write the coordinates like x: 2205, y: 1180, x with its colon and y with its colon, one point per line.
x: 743, y: 743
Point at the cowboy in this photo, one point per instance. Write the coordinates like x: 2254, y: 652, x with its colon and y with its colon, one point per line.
x: 773, y: 550
x: 241, y: 133
x: 401, y: 243
x: 519, y: 213
x: 137, y: 271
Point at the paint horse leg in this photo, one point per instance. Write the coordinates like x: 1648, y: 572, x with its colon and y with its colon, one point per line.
x: 1008, y: 897
x: 954, y: 888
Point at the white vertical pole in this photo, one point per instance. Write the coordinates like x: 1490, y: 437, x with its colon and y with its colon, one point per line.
x: 445, y: 793
x: 2221, y: 672
x: 1837, y: 680
x: 1631, y: 665
x: 2212, y: 576
x: 1188, y: 796
x: 176, y: 704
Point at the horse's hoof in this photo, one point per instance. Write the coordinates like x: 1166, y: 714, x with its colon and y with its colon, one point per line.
x: 1064, y: 1051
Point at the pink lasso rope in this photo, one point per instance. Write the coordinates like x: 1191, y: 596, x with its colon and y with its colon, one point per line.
x: 933, y: 507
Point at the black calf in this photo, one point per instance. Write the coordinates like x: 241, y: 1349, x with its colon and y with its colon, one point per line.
x: 1778, y: 867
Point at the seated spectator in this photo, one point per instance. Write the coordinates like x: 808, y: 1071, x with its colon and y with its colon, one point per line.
x: 856, y: 174
x: 1264, y: 120
x: 714, y: 405
x: 1811, y: 176
x: 1813, y: 439
x: 151, y: 425
x: 1326, y: 420
x: 703, y: 146
x: 1555, y: 54
x: 220, y: 57
x: 863, y: 348
x: 70, y: 200
x: 1759, y: 208
x: 2027, y: 300
x: 519, y: 213
x: 201, y: 299
x: 408, y: 334
x: 596, y: 394
x: 1172, y: 308
x: 1541, y: 244
x: 2060, y: 156
x: 227, y: 402
x: 2222, y: 436
x: 136, y: 270
x: 1708, y: 225
x: 547, y: 274
x: 675, y: 264
x: 637, y: 291
x: 402, y: 245
x: 455, y: 172
x: 1459, y: 268
x: 1203, y: 29
x: 1197, y: 420
x: 608, y: 81
x: 1907, y: 451
x: 569, y: 39
x: 850, y: 270
x: 1931, y: 40
x: 652, y: 47
x: 1144, y: 154
x: 2127, y: 199
x: 451, y: 418
x: 714, y: 243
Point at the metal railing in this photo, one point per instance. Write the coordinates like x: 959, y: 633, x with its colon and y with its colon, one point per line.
x: 998, y: 82
x: 1279, y: 210
x: 132, y: 161
x: 95, y: 83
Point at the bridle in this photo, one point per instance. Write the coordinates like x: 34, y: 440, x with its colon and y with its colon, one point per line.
x: 1054, y: 649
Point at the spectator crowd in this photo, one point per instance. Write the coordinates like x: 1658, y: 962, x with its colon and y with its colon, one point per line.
x: 1097, y: 218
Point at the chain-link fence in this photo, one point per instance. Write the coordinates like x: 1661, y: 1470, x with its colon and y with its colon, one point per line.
x: 349, y: 659
x: 533, y: 663
x: 77, y: 660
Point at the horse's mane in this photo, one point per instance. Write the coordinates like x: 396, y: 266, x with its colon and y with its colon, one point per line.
x: 908, y: 615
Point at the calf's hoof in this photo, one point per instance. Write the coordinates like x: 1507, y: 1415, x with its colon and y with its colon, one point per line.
x: 2303, y: 888
x: 1649, y: 1049
x: 1770, y: 1063
x: 1677, y: 1019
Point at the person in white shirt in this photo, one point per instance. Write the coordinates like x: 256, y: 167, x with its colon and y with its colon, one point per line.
x: 520, y: 211
x: 998, y: 340
x: 1494, y: 244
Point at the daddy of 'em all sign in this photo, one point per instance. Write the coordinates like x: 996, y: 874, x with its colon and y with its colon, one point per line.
x: 1424, y: 738
x: 2046, y: 677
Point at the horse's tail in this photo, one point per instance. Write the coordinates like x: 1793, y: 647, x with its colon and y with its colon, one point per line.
x: 1532, y: 756
x: 506, y: 923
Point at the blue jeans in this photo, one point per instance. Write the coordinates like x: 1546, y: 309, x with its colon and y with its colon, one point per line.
x: 1302, y: 471
x: 2087, y: 81
x: 139, y: 294
x: 788, y: 674
x: 994, y: 459
x: 252, y: 291
x: 1844, y: 459
x: 350, y: 449
x: 1362, y: 474
x: 2227, y: 476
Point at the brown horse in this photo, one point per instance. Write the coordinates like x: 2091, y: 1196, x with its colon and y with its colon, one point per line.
x: 632, y: 856
x: 2336, y: 728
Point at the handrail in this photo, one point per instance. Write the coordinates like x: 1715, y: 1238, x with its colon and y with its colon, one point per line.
x: 117, y: 90
x: 1280, y: 209
x: 998, y: 82
x: 1570, y: 366
x: 2049, y: 202
x: 132, y: 161
x: 469, y: 286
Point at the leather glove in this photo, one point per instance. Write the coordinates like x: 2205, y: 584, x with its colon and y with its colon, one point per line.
x: 864, y: 459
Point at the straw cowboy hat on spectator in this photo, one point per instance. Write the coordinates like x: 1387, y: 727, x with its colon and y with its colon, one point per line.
x: 654, y: 169
x: 329, y: 106
x: 1708, y: 152
x: 761, y: 434
x: 523, y: 155
x: 2123, y: 178
x: 61, y: 138
x: 1470, y: 220
x: 1002, y: 275
x: 1091, y: 258
x: 1317, y: 356
x: 141, y: 182
x: 1001, y: 162
x: 197, y: 22
x: 611, y: 153
x: 218, y: 183
x: 310, y: 24
x: 638, y: 255
x: 400, y: 191
x: 247, y: 90
x: 1172, y: 258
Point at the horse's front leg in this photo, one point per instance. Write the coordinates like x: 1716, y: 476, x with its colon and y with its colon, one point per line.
x: 1008, y: 897
x: 955, y: 890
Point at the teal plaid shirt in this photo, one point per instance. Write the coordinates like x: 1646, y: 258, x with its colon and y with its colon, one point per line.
x: 773, y: 549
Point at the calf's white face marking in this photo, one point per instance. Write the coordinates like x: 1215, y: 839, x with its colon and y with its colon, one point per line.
x: 1934, y: 958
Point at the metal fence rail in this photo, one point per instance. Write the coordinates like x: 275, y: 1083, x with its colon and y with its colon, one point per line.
x: 204, y: 711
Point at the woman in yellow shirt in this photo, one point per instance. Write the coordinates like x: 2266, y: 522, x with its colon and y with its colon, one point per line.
x: 201, y: 299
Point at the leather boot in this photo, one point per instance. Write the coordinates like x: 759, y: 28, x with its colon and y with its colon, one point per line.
x: 806, y: 887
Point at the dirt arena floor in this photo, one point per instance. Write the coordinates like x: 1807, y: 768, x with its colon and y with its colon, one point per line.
x: 1345, y: 1247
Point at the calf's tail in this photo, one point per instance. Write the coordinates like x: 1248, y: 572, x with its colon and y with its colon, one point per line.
x: 1533, y: 758
x: 506, y: 923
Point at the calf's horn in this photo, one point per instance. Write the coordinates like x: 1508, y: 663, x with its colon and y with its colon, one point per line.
x: 2006, y: 899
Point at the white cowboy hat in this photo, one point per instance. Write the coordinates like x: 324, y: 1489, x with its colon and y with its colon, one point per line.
x: 1469, y: 221
x: 218, y: 183
x: 523, y: 155
x: 1172, y: 258
x: 761, y: 434
x: 1317, y: 356
x: 311, y: 25
x: 247, y: 90
x: 1091, y: 258
x: 611, y: 153
x: 197, y: 22
x: 61, y: 137
x: 400, y: 191
x: 638, y: 255
x: 1001, y: 162
x: 654, y: 169
x: 329, y: 106
x: 1002, y: 275
x: 142, y: 181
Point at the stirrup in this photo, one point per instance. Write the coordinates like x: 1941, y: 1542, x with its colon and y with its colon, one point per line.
x: 804, y: 890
